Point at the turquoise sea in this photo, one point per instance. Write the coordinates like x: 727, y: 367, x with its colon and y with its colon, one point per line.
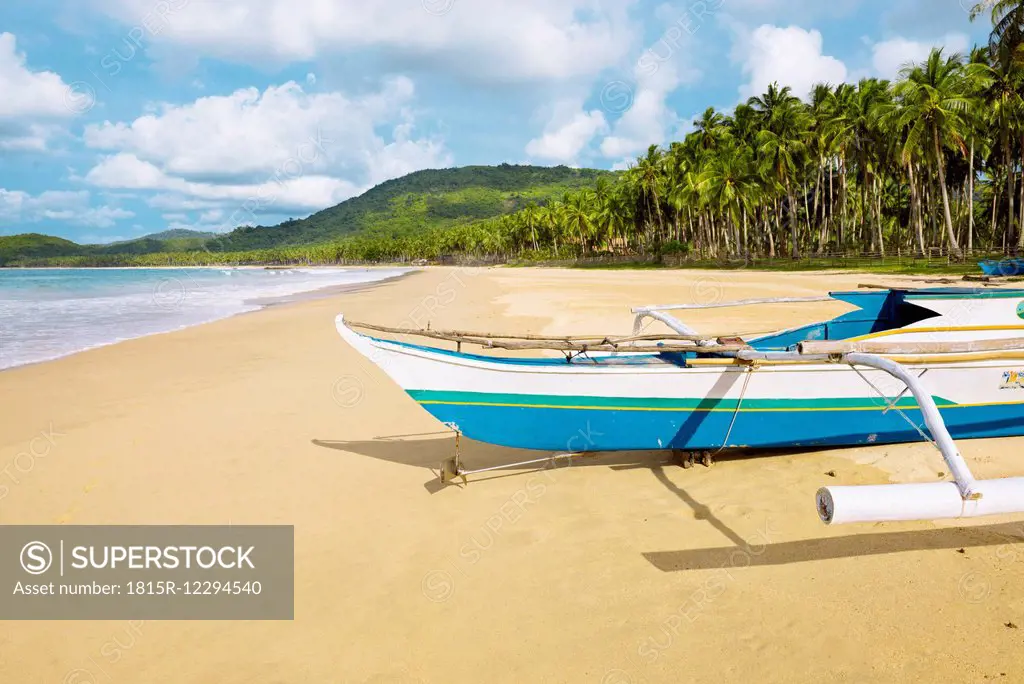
x: 48, y: 313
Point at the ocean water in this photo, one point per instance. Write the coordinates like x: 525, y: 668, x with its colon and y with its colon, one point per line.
x: 49, y: 313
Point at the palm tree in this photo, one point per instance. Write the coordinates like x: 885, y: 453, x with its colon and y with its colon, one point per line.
x: 710, y: 129
x: 821, y: 143
x: 933, y: 96
x: 895, y: 129
x: 577, y: 217
x: 646, y: 179
x: 610, y: 215
x: 780, y: 145
x: 1007, y: 22
x: 856, y: 125
x: 728, y: 186
x: 531, y: 218
x: 1000, y: 81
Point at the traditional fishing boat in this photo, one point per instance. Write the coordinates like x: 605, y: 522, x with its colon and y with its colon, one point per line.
x: 1002, y: 268
x: 903, y: 366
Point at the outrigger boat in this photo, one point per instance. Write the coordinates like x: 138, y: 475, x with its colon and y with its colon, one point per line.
x: 905, y: 365
x: 1002, y: 268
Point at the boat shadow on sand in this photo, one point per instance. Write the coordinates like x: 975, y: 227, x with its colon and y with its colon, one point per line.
x: 831, y: 548
x: 427, y: 450
x: 742, y: 553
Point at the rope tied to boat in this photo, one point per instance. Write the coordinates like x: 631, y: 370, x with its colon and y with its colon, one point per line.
x: 892, y: 404
x: 747, y: 373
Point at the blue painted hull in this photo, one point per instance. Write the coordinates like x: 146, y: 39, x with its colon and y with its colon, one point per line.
x: 1005, y: 267
x: 582, y: 429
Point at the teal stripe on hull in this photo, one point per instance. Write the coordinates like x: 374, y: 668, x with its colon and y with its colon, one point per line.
x: 614, y: 427
x: 550, y: 401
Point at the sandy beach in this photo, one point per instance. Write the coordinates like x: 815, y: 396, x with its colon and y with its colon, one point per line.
x: 618, y: 569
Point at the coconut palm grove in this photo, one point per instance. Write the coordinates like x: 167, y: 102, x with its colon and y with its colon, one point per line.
x: 930, y: 163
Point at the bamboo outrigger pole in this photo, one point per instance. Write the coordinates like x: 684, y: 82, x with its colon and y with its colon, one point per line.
x: 890, y: 348
x: 682, y: 342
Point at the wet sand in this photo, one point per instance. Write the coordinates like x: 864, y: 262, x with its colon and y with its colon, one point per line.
x: 619, y: 569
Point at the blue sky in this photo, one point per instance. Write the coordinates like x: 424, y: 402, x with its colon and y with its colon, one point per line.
x: 127, y: 117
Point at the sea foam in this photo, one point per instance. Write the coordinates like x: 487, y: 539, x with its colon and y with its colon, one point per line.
x: 49, y: 313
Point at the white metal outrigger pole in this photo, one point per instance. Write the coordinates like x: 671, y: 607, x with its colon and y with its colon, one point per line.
x: 932, y: 418
x: 964, y: 498
x: 658, y: 312
x: 671, y: 321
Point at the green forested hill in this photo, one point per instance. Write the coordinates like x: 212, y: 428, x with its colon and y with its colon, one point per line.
x: 404, y: 206
x: 419, y: 201
x: 36, y: 246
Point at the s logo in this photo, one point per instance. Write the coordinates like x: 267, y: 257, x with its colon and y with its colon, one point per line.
x: 36, y: 558
x: 1020, y: 310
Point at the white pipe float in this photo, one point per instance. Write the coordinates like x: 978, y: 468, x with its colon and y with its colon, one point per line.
x: 930, y: 501
x: 964, y: 498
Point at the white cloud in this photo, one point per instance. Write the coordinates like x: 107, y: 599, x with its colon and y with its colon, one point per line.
x: 567, y: 133
x: 31, y: 99
x: 791, y: 56
x: 648, y: 120
x: 17, y: 206
x: 101, y: 217
x: 252, y: 133
x: 26, y: 136
x: 28, y: 93
x: 403, y: 156
x: 178, y: 203
x: 282, y: 149
x: 210, y: 221
x: 126, y: 171
x: 667, y: 63
x: 505, y: 40
x: 889, y: 56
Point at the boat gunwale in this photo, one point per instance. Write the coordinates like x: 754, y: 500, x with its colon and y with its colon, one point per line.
x: 619, y: 354
x: 659, y: 364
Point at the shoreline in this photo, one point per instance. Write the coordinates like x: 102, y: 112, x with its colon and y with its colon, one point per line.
x: 260, y: 303
x: 320, y: 293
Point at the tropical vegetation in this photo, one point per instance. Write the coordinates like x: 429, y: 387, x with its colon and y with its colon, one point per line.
x: 929, y: 163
